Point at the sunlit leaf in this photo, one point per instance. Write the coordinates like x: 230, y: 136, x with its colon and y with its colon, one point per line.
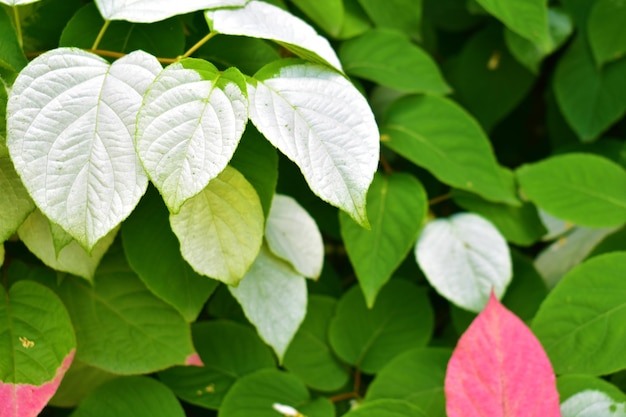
x: 606, y: 31
x: 18, y: 2
x: 148, y: 11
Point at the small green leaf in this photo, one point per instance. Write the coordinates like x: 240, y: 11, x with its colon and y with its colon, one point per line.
x: 401, y: 319
x: 328, y: 14
x: 136, y: 396
x: 457, y: 152
x: 147, y: 236
x: 309, y: 355
x: 580, y: 323
x: 400, y: 15
x: 605, y: 29
x: 585, y: 189
x: 11, y: 54
x: 221, y: 229
x: 229, y: 351
x: 390, y: 59
x: 397, y: 206
x: 387, y: 408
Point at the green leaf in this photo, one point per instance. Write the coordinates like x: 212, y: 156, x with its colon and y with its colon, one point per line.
x: 43, y: 22
x: 162, y: 39
x: 590, y: 99
x: 257, y: 160
x: 147, y: 237
x: 528, y: 18
x: 585, y: 189
x: 369, y: 338
x: 247, y: 54
x: 486, y: 79
x: 520, y: 225
x: 355, y: 22
x: 258, y: 19
x: 11, y: 54
x: 70, y: 138
x: 465, y: 259
x: 15, y: 204
x: 611, y: 243
x: 273, y: 298
x: 592, y: 403
x: 265, y: 393
x: 328, y: 14
x: 606, y: 31
x: 390, y: 59
x: 387, y: 408
x: 570, y: 385
x: 36, y: 233
x: 309, y: 355
x: 457, y: 152
x: 229, y: 351
x: 79, y: 381
x: 221, y: 229
x: 319, y: 120
x: 416, y: 376
x: 397, y: 206
x: 401, y: 15
x: 137, y: 396
x: 580, y: 323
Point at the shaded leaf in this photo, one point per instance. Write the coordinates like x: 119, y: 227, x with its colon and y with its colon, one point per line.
x: 15, y: 204
x: 11, y: 54
x: 606, y: 31
x: 400, y: 15
x: 387, y: 408
x: 79, y: 381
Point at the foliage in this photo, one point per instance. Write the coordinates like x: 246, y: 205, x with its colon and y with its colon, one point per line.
x: 298, y: 208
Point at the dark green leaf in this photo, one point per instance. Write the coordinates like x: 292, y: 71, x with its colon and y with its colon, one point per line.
x: 79, y: 381
x: 402, y: 15
x: 570, y: 385
x: 401, y: 319
x: 247, y: 54
x: 387, y: 408
x: 11, y: 55
x: 392, y: 60
x: 396, y: 207
x: 43, y: 22
x: 581, y: 322
x: 605, y: 29
x: 450, y: 15
x: 457, y: 152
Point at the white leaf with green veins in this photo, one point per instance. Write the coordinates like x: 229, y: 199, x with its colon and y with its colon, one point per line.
x: 149, y: 11
x: 262, y: 20
x: 319, y: 120
x: 293, y: 236
x: 464, y: 257
x: 274, y: 299
x: 189, y: 126
x: 36, y: 233
x: 221, y: 229
x: 592, y: 403
x: 71, y: 120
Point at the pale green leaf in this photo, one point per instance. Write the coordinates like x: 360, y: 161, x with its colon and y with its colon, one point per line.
x: 322, y: 123
x: 580, y: 323
x: 148, y: 11
x: 585, y: 189
x: 262, y: 20
x: 591, y: 403
x: 36, y: 234
x: 457, y: 152
x: 221, y: 229
x: 397, y: 206
x: 605, y: 29
x: 328, y: 14
x: 465, y: 258
x: 70, y: 137
x: 292, y: 235
x: 15, y: 204
x: 274, y: 299
x: 188, y: 127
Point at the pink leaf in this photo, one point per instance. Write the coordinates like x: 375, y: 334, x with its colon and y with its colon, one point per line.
x: 499, y: 369
x: 194, y: 360
x: 25, y: 400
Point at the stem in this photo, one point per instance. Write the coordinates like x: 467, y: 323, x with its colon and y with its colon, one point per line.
x: 439, y: 199
x: 198, y: 45
x: 18, y: 26
x: 103, y: 29
x: 343, y: 396
x: 385, y: 164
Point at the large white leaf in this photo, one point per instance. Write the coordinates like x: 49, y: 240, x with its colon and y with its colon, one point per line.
x: 71, y: 120
x: 592, y: 403
x: 189, y: 126
x: 262, y: 20
x: 221, y: 229
x: 321, y: 122
x: 18, y: 2
x: 36, y: 233
x: 464, y: 258
x: 293, y: 235
x: 274, y: 299
x: 148, y: 11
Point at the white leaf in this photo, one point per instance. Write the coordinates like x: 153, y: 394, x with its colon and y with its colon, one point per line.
x: 71, y: 120
x: 321, y: 122
x: 36, y: 234
x: 293, y: 236
x: 262, y: 20
x: 221, y: 229
x: 555, y: 227
x: 15, y: 204
x: 273, y: 298
x: 591, y: 403
x: 464, y: 258
x: 189, y: 126
x: 149, y: 11
x: 18, y: 2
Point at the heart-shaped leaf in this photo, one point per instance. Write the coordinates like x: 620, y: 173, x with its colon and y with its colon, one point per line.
x: 37, y: 344
x: 499, y: 369
x: 188, y: 127
x: 321, y: 122
x: 71, y: 118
